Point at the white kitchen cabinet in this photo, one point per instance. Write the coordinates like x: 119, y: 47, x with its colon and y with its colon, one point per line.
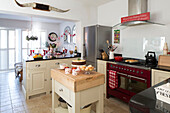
x: 37, y: 81
x: 52, y: 64
x: 37, y: 76
x: 101, y: 68
x: 34, y: 78
x: 159, y: 76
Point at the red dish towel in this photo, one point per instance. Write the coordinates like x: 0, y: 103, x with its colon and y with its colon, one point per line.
x: 113, y: 79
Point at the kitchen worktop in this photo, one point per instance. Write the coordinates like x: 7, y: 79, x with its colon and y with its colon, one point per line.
x: 31, y: 59
x: 146, y: 102
x: 79, y: 82
x: 163, y: 68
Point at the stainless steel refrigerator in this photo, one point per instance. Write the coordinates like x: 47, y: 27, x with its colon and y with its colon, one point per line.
x: 94, y: 39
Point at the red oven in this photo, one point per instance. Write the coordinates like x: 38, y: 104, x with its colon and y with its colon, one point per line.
x: 131, y: 80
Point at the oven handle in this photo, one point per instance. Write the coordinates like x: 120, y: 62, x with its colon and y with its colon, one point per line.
x: 121, y: 73
x: 137, y: 78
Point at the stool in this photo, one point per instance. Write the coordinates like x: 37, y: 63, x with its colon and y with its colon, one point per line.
x: 19, y: 70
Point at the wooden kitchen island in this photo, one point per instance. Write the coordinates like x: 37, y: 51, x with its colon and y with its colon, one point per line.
x: 78, y: 91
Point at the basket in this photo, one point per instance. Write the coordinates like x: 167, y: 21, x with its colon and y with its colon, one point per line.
x: 85, y: 109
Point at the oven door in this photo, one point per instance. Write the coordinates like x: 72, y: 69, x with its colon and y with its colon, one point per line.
x: 136, y: 84
x: 123, y: 83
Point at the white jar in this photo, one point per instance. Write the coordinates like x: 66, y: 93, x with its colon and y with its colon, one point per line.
x: 111, y: 55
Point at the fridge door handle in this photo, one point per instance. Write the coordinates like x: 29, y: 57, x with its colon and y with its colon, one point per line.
x: 84, y: 52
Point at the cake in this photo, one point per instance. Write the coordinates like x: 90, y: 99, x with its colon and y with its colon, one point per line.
x: 78, y: 62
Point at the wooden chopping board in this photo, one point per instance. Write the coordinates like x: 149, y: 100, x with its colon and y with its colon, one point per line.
x: 79, y: 82
x: 164, y: 60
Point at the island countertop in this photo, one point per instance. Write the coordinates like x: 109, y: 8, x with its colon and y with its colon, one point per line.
x: 78, y: 82
x: 146, y: 102
x: 31, y: 59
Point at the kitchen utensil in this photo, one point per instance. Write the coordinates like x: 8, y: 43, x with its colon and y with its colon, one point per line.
x: 151, y: 59
x: 118, y: 58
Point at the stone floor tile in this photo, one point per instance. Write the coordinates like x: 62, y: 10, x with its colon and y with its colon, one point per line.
x: 7, y: 111
x: 16, y: 105
x: 5, y: 103
x: 5, y: 108
x: 18, y: 109
x: 41, y: 103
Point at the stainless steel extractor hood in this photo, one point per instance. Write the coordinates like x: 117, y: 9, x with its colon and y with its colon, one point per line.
x: 137, y: 7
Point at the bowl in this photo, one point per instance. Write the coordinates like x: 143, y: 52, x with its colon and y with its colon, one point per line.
x: 118, y: 58
x: 63, y: 65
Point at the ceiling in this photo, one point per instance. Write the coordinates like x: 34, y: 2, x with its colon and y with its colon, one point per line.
x: 95, y: 2
x: 49, y: 20
x: 28, y: 18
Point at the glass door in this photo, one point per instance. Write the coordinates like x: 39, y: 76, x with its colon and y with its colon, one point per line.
x: 7, y: 49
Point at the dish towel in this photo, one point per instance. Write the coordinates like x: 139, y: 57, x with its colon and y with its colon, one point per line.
x: 113, y: 79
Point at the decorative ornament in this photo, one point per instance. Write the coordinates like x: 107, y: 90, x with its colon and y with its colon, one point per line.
x: 41, y: 7
x: 52, y: 36
x: 32, y: 37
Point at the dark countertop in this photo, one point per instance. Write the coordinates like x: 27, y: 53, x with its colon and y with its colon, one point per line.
x: 146, y: 102
x: 163, y: 68
x: 140, y: 65
x: 31, y: 59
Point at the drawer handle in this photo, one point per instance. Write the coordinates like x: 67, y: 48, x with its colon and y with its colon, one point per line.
x: 45, y: 79
x: 61, y: 90
x: 89, y: 78
x: 57, y: 63
x: 37, y: 66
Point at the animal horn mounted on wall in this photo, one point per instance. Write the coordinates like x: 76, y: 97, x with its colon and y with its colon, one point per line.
x: 42, y: 7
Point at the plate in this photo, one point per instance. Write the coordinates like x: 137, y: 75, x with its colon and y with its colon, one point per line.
x: 60, y: 68
x: 52, y: 37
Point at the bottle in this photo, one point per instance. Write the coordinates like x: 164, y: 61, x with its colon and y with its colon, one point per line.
x: 165, y: 49
x: 75, y: 51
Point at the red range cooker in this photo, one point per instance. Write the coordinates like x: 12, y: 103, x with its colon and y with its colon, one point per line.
x: 132, y: 79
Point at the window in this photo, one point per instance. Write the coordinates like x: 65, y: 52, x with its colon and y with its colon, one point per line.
x: 32, y: 44
x: 7, y: 49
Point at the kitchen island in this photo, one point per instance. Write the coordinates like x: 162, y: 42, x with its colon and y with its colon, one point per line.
x: 36, y: 74
x: 77, y: 91
x: 146, y: 102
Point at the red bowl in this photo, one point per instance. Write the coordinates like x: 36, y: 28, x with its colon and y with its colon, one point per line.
x: 118, y: 58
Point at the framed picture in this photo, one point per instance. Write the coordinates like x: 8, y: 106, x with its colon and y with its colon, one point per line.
x: 117, y: 36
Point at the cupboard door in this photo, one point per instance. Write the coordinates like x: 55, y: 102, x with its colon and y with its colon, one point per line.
x: 159, y: 76
x: 101, y: 68
x: 37, y: 81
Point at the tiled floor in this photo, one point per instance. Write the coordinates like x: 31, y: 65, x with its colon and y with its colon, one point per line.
x: 12, y: 99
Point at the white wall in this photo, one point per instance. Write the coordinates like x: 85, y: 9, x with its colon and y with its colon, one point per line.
x: 134, y: 38
x: 62, y: 27
x: 86, y: 15
x: 18, y: 24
